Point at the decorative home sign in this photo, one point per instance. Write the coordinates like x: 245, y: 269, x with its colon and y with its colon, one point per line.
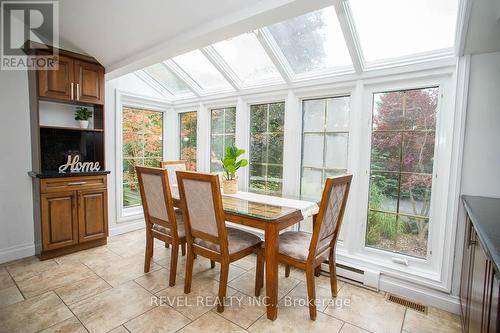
x: 75, y: 165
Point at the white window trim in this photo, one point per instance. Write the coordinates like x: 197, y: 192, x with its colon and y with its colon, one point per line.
x: 177, y: 129
x: 129, y: 99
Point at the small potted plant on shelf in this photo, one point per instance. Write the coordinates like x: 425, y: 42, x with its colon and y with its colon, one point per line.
x: 230, y: 165
x: 83, y: 114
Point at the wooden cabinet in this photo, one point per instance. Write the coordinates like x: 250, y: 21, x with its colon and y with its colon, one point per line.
x: 479, y: 287
x: 59, y: 220
x: 92, y: 214
x: 75, y: 80
x: 73, y: 213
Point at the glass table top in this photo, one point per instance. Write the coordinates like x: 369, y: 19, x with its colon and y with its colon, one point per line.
x: 248, y: 207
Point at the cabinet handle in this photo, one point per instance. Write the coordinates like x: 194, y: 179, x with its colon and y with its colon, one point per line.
x: 72, y: 91
x: 76, y: 183
x: 78, y: 91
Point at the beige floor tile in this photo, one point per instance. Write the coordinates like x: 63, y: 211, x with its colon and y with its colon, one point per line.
x: 53, y: 278
x: 122, y: 270
x: 348, y: 328
x: 162, y: 319
x: 246, y: 284
x: 71, y: 325
x: 211, y: 322
x: 113, y: 307
x: 203, y: 297
x: 27, y: 267
x: 248, y: 262
x: 435, y: 321
x: 234, y: 272
x: 321, y: 281
x: 10, y: 296
x: 158, y: 280
x: 296, y: 320
x: 5, y: 279
x: 119, y: 329
x: 80, y: 256
x: 367, y: 309
x: 243, y: 310
x: 82, y: 289
x: 96, y: 259
x: 298, y: 296
x: 34, y: 314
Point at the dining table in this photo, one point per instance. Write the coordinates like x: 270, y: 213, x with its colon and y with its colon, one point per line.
x: 270, y: 214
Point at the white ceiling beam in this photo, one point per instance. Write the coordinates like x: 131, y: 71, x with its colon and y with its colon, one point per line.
x: 275, y: 54
x: 222, y: 66
x: 183, y: 76
x: 346, y: 21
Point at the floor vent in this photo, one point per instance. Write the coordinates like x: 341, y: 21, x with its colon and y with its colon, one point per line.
x: 404, y: 302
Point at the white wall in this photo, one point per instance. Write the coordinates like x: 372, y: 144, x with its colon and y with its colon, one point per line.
x: 16, y: 204
x: 481, y: 157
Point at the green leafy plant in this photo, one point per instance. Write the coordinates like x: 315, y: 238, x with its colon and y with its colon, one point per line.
x: 230, y: 164
x: 82, y: 113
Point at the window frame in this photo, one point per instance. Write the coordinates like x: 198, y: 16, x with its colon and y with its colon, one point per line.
x: 179, y: 116
x: 127, y: 99
x: 210, y: 109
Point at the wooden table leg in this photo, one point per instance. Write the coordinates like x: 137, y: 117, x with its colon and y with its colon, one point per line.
x: 271, y: 246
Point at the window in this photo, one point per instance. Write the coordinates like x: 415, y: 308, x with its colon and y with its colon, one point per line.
x: 324, y: 143
x: 223, y: 128
x: 187, y: 138
x: 395, y: 28
x: 201, y: 70
x: 313, y: 41
x: 266, y: 148
x: 163, y: 76
x: 246, y: 57
x: 402, y: 156
x: 142, y: 137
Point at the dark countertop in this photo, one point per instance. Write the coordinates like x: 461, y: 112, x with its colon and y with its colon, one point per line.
x: 55, y: 174
x: 484, y: 214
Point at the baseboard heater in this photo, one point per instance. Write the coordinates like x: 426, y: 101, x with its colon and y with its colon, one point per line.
x: 367, y: 278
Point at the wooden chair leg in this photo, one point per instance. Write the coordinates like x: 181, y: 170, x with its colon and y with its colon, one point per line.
x: 287, y: 270
x: 317, y: 271
x: 333, y: 273
x: 149, y: 251
x: 311, y: 292
x: 173, y: 264
x: 189, y: 271
x: 259, y: 273
x: 224, y: 272
x: 212, y: 263
x: 183, y: 249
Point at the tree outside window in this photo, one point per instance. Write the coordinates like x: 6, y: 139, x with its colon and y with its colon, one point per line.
x: 188, y: 123
x: 222, y: 132
x: 142, y: 141
x: 402, y: 157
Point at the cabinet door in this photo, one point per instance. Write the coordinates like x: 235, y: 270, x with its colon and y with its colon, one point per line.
x: 92, y: 214
x: 57, y: 84
x: 466, y: 275
x: 89, y: 79
x: 59, y: 220
x: 494, y: 308
x: 478, y: 287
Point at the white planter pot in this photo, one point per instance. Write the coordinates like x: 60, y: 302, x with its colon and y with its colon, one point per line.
x: 83, y: 123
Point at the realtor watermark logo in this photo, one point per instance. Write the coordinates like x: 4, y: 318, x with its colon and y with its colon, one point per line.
x: 28, y: 27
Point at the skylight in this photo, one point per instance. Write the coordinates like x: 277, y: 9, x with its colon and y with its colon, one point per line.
x: 201, y: 70
x: 396, y: 28
x: 312, y: 42
x: 167, y: 80
x: 247, y: 58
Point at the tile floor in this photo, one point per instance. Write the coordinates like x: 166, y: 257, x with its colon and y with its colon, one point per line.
x: 105, y: 290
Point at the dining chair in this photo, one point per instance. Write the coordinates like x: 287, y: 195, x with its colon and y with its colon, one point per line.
x: 308, y: 251
x: 172, y: 166
x: 207, y: 234
x: 162, y: 220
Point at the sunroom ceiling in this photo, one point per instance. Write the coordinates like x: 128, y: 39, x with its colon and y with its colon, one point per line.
x: 350, y: 36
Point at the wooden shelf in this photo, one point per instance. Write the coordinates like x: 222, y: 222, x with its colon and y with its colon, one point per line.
x: 73, y: 128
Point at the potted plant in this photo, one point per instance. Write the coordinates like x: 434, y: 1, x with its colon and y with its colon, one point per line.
x: 230, y: 165
x: 83, y: 114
